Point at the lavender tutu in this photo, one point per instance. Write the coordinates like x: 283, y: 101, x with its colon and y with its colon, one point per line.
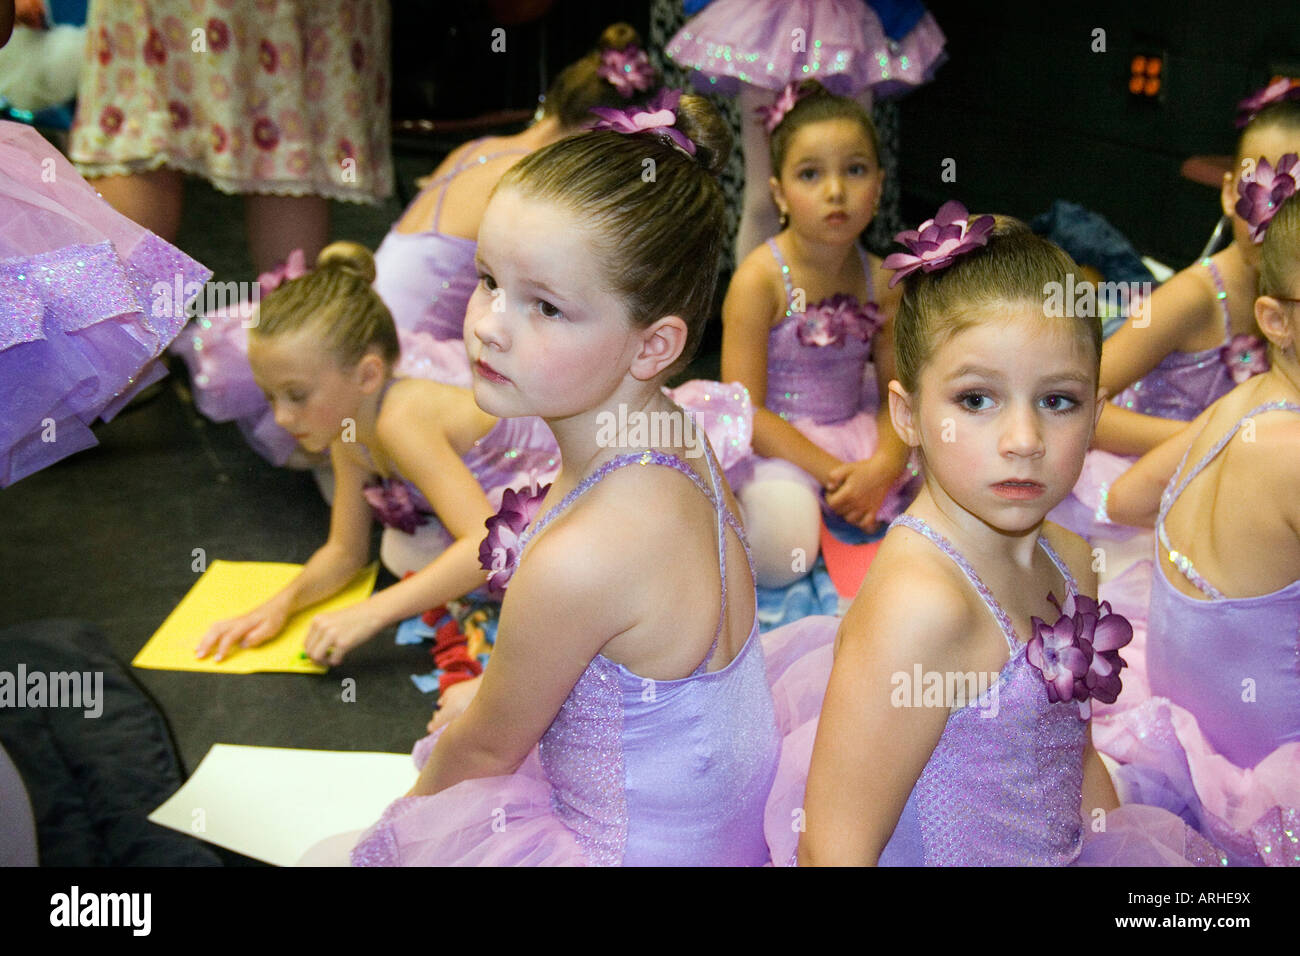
x: 84, y: 321
x: 630, y: 772
x: 1216, y: 738
x: 768, y: 43
x: 1004, y: 785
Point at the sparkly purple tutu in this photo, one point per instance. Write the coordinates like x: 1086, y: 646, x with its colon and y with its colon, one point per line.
x: 844, y: 46
x: 84, y: 314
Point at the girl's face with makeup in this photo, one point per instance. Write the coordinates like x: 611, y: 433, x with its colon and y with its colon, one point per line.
x: 1004, y: 412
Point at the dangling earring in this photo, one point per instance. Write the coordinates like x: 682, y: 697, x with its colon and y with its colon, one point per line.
x: 785, y: 219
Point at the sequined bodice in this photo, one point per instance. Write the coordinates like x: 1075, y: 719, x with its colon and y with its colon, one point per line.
x: 1004, y: 785
x: 1234, y: 663
x: 1185, y: 384
x: 652, y: 772
x: 824, y: 383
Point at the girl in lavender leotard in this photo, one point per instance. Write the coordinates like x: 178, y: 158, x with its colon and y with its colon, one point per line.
x: 418, y: 455
x: 996, y: 765
x: 1219, y: 740
x: 425, y: 265
x: 806, y: 328
x: 626, y: 717
x: 1194, y: 340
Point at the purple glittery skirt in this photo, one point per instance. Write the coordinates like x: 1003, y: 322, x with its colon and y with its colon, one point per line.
x: 88, y: 301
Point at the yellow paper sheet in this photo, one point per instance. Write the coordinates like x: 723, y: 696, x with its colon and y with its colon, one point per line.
x: 231, y: 588
x: 274, y: 804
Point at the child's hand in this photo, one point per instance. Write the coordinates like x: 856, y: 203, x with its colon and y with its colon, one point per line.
x: 453, y: 701
x: 256, y: 627
x: 333, y: 634
x: 857, y: 489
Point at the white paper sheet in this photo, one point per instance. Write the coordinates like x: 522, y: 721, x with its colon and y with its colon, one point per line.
x: 274, y: 803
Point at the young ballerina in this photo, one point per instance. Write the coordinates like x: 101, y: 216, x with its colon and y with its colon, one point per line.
x: 425, y: 265
x: 1195, y: 339
x: 804, y: 320
x: 996, y: 767
x: 418, y: 455
x: 1222, y: 733
x: 645, y: 733
x: 1188, y: 347
x: 758, y: 47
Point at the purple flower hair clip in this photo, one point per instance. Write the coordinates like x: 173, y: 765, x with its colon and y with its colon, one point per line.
x: 498, y: 554
x: 1262, y: 192
x: 1246, y: 356
x: 938, y: 241
x: 658, y: 117
x: 1078, y: 656
x: 772, y: 115
x: 1283, y: 88
x: 627, y: 70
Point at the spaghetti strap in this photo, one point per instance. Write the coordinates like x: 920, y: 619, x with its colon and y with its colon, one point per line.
x: 1177, y: 486
x: 1001, y: 616
x: 785, y: 277
x: 714, y: 494
x: 462, y: 164
x: 1220, y: 296
x: 866, y: 272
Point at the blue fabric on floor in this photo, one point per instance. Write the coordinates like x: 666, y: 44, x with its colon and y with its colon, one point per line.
x: 811, y: 594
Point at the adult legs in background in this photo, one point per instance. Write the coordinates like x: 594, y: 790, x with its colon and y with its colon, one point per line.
x: 152, y: 199
x: 783, y: 523
x: 277, y: 225
x: 758, y: 215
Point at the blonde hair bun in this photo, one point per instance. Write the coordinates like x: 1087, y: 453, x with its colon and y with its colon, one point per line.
x: 349, y: 256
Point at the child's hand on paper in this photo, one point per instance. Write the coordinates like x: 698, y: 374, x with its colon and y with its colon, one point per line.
x: 453, y: 701
x: 256, y: 627
x: 334, y: 633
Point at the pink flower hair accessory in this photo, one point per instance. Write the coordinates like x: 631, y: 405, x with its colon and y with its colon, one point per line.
x: 498, y: 554
x: 1246, y: 356
x: 1263, y: 191
x: 295, y: 267
x: 772, y: 115
x: 627, y: 70
x: 1283, y: 88
x: 658, y: 117
x: 938, y: 241
x: 1078, y: 656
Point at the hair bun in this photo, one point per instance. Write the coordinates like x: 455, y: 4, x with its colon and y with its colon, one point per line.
x: 619, y: 36
x: 348, y: 257
x: 700, y: 121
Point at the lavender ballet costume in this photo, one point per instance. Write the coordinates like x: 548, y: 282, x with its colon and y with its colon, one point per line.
x: 515, y: 453
x: 426, y: 280
x: 826, y: 388
x: 1004, y: 785
x: 1219, y: 739
x: 622, y: 777
x: 87, y: 304
x: 1182, y: 386
x: 843, y: 45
